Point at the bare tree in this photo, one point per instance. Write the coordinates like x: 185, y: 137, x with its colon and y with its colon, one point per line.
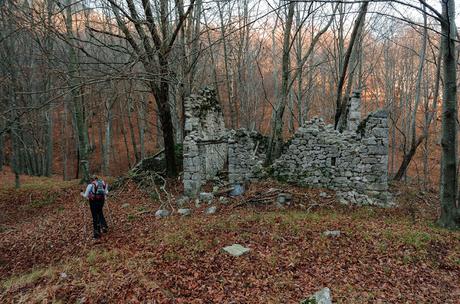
x: 287, y: 80
x: 450, y: 208
x: 153, y: 48
x: 415, y: 142
x: 342, y: 102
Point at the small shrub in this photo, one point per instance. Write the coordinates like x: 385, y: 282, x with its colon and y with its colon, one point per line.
x: 26, y: 279
x: 141, y: 209
x: 47, y: 200
x: 91, y: 257
x: 171, y: 256
x: 417, y: 239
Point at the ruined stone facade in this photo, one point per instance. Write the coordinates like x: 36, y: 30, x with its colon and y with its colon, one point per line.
x: 354, y: 163
x: 246, y: 154
x: 205, y: 143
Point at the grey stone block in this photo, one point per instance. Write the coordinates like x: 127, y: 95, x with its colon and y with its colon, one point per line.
x: 211, y: 210
x: 332, y: 233
x: 320, y: 297
x: 184, y: 211
x: 236, y: 250
x: 161, y: 213
x: 206, y: 197
x: 182, y: 201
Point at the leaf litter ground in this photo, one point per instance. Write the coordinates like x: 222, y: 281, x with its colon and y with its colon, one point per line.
x: 381, y: 256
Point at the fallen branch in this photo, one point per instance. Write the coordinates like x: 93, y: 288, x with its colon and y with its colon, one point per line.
x: 143, y: 212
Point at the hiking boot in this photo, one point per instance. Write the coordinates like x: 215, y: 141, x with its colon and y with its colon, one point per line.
x: 96, y: 241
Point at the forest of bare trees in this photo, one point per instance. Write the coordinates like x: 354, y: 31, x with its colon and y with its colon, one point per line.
x: 97, y: 85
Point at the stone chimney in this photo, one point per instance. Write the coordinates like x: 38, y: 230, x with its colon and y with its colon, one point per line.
x: 354, y: 112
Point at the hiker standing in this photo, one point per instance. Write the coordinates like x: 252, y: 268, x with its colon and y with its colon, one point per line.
x: 96, y: 192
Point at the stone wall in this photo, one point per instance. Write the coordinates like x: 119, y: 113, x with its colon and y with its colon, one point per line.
x: 354, y: 163
x: 205, y: 142
x: 246, y: 154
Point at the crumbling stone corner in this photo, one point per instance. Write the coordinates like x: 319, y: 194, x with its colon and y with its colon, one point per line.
x: 205, y: 146
x: 192, y: 166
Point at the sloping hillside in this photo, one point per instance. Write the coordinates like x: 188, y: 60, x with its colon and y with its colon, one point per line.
x: 380, y: 256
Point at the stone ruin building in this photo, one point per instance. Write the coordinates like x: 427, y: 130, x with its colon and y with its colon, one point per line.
x: 353, y: 163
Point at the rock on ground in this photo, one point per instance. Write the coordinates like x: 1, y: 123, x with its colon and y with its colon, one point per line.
x: 237, y: 190
x: 236, y: 250
x: 182, y: 201
x: 333, y: 233
x: 162, y: 213
x: 284, y: 198
x: 206, y: 197
x: 211, y: 210
x: 184, y: 211
x: 223, y: 200
x: 320, y: 297
x: 197, y: 203
x: 324, y: 195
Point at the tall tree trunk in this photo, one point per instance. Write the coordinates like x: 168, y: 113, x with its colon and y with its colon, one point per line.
x: 64, y: 142
x: 450, y: 209
x: 48, y: 168
x: 161, y: 94
x: 14, y: 129
x: 430, y: 114
x: 141, y: 114
x: 232, y: 106
x: 2, y: 146
x: 212, y: 57
x: 340, y: 104
x: 414, y: 141
x: 108, y: 137
x: 123, y: 132
x: 77, y: 102
x: 275, y: 141
x: 299, y: 38
x: 291, y: 121
x: 132, y: 133
x: 354, y: 63
x: 186, y: 64
x: 154, y: 51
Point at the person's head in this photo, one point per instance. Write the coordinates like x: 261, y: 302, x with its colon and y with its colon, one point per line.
x: 94, y: 177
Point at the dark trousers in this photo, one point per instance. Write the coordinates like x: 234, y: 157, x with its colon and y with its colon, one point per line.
x: 99, y: 223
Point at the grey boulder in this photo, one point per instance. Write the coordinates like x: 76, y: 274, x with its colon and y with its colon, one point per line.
x: 184, y: 211
x: 332, y: 233
x: 211, y: 210
x: 322, y: 296
x: 162, y: 213
x: 206, y: 197
x: 236, y: 250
